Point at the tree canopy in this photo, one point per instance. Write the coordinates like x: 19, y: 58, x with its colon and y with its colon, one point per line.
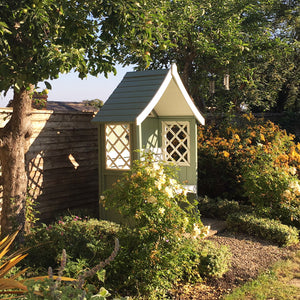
x: 39, y: 39
x: 254, y: 42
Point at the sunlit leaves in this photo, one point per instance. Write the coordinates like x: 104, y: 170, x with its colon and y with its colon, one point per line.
x: 41, y: 39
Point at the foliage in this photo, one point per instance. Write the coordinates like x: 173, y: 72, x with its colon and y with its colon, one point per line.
x: 214, y: 262
x: 162, y: 232
x: 95, y: 103
x: 271, y: 230
x: 41, y: 39
x: 58, y: 287
x: 87, y: 241
x: 210, y: 39
x: 290, y: 121
x: 31, y: 212
x: 220, y: 208
x: 253, y: 161
x: 10, y: 283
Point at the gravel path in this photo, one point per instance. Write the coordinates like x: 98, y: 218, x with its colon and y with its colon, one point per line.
x: 249, y: 257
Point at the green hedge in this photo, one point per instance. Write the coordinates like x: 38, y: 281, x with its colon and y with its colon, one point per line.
x: 271, y: 230
x: 220, y: 208
x: 86, y: 241
x: 214, y: 260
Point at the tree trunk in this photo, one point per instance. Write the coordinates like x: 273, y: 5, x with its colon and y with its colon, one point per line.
x: 13, y: 146
x: 186, y: 74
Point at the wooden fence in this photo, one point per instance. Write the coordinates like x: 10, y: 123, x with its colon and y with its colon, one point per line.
x: 62, y: 161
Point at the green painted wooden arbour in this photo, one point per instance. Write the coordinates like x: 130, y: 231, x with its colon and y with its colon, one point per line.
x: 148, y: 110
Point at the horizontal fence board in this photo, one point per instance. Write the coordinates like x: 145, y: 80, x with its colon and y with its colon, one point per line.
x: 52, y: 154
x: 61, y: 139
x: 36, y: 146
x: 66, y: 171
x: 52, y: 186
x: 65, y: 132
x: 63, y: 125
x: 73, y: 191
x: 65, y: 201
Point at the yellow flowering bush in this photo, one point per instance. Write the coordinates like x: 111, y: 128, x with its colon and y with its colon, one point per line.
x: 161, y: 240
x: 251, y: 160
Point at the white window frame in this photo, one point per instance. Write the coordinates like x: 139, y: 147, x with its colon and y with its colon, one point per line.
x: 186, y: 142
x: 117, y: 146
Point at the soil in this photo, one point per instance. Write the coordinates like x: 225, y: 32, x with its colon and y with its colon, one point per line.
x: 250, y: 256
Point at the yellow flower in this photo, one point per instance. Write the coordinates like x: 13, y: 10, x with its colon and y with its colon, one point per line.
x: 152, y: 199
x: 172, y: 181
x: 226, y: 154
x: 295, y: 187
x: 148, y: 170
x: 156, y: 166
x: 158, y: 184
x: 169, y: 192
x: 161, y: 210
x: 196, y: 230
x: 286, y: 194
x: 186, y: 222
x: 293, y: 170
x: 247, y: 117
x: 262, y: 137
x: 236, y: 136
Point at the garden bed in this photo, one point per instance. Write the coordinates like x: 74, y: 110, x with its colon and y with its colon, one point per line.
x: 250, y: 256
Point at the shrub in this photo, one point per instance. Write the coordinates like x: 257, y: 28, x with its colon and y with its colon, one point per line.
x: 220, y: 208
x: 252, y: 161
x: 271, y: 230
x: 59, y: 287
x: 214, y: 261
x: 159, y: 242
x: 86, y: 241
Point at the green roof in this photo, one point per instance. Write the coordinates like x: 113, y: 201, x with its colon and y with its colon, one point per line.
x: 141, y: 92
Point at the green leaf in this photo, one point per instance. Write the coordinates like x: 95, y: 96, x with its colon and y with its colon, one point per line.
x: 102, y: 295
x: 101, y: 275
x: 48, y: 85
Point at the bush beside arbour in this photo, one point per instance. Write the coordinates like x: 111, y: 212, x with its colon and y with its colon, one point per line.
x: 214, y: 261
x: 253, y: 162
x: 161, y: 243
x: 220, y: 208
x: 86, y: 241
x: 271, y: 230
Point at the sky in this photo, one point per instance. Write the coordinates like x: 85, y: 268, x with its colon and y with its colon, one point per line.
x: 68, y: 87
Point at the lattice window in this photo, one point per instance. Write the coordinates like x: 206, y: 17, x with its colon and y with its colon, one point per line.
x: 176, y: 142
x: 117, y: 146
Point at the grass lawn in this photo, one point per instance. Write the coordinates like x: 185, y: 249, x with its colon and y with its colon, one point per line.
x: 282, y: 281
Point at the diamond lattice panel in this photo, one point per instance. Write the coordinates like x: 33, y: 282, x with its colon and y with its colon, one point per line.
x: 176, y: 142
x: 117, y: 147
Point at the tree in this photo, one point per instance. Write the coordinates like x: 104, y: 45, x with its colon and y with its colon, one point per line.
x: 287, y: 27
x: 212, y: 39
x: 39, y: 39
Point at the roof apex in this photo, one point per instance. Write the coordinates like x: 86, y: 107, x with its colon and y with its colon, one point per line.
x: 139, y: 92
